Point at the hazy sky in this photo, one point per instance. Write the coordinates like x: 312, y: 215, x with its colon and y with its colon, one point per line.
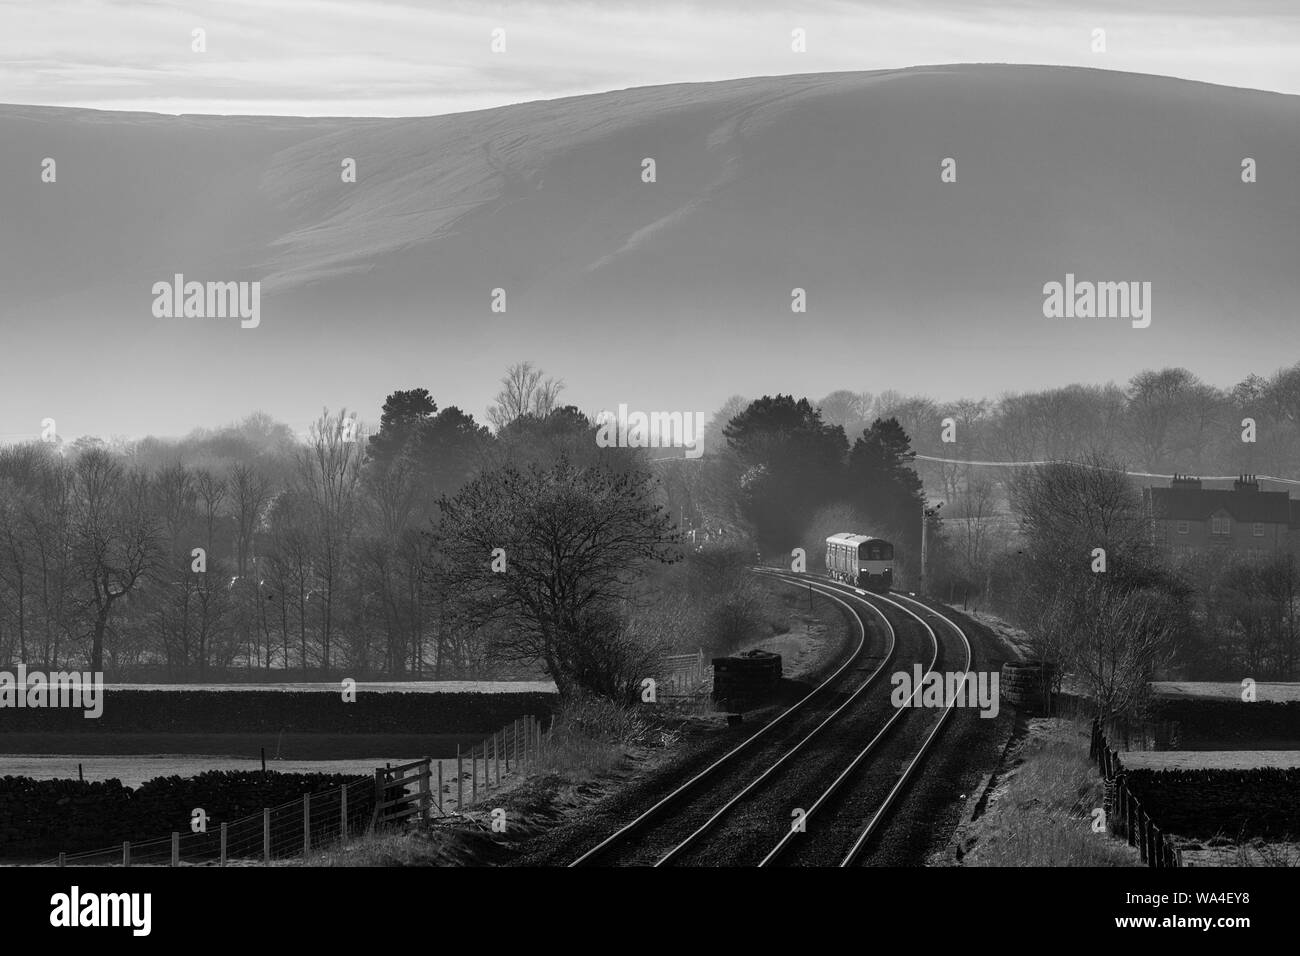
x: 395, y: 58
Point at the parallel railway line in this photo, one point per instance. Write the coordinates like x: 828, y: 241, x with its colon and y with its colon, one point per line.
x: 731, y: 812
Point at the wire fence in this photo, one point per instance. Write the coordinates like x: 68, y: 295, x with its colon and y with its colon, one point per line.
x: 511, y: 751
x: 289, y: 830
x: 1125, y: 815
x: 315, y: 821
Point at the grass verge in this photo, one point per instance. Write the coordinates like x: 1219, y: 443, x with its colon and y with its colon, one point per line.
x: 1041, y: 811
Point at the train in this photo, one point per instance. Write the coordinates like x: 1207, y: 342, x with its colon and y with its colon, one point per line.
x: 861, y: 560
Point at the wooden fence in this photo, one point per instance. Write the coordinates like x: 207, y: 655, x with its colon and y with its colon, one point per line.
x: 1125, y: 816
x: 392, y: 800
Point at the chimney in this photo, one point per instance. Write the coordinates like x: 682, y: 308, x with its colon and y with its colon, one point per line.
x: 1185, y: 483
x: 1246, y: 483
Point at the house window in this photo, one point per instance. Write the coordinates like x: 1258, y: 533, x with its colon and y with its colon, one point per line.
x: 1219, y: 525
x: 1258, y: 529
x: 1183, y: 527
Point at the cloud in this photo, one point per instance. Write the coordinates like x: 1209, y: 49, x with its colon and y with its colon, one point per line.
x: 402, y: 58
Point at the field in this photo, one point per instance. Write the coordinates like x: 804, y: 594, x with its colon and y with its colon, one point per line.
x: 134, y: 757
x: 1223, y: 690
x: 1210, y: 759
x: 363, y: 687
x: 135, y: 770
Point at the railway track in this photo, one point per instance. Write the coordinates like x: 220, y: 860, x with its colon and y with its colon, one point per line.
x: 893, y: 772
x: 734, y: 812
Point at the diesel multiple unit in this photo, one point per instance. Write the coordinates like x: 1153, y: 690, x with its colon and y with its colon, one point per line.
x: 860, y: 559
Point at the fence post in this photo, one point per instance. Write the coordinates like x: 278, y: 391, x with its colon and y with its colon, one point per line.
x: 473, y: 777
x: 343, y: 812
x: 460, y: 781
x: 425, y: 772
x: 439, y: 786
x: 306, y: 825
x: 266, y: 834
x: 63, y: 858
x: 1121, y: 807
x: 126, y: 852
x: 497, y: 740
x: 379, y: 797
x: 176, y: 848
x: 223, y: 844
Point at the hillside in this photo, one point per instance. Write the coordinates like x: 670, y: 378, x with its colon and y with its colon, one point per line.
x: 664, y: 295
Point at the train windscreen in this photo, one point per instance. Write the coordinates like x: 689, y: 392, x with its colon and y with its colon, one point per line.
x: 878, y: 551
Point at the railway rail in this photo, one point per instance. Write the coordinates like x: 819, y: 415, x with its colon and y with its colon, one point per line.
x: 810, y: 737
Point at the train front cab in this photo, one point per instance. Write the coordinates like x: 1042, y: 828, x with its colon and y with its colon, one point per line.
x: 876, y: 582
x: 876, y: 565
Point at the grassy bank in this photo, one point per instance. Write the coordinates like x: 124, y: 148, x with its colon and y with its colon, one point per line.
x: 1040, y: 811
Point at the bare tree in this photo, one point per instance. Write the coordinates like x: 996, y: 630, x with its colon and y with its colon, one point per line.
x: 1068, y: 509
x: 329, y: 471
x: 1117, y: 639
x: 573, y: 541
x: 115, y: 539
x: 524, y: 391
x: 974, y: 513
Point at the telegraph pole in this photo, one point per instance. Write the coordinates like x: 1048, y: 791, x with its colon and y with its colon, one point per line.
x: 926, y: 515
x: 925, y: 521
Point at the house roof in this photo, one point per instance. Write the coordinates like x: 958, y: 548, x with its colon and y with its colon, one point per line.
x: 1198, y: 504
